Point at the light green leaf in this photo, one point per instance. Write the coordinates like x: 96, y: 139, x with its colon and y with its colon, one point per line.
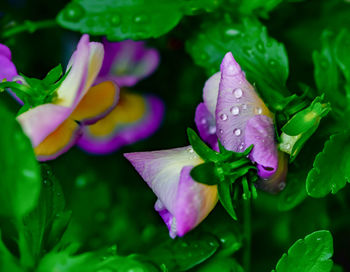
x: 331, y: 169
x: 125, y: 19
x: 311, y: 254
x: 262, y: 58
x: 20, y: 174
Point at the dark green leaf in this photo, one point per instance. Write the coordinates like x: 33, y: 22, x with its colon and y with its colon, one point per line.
x: 262, y: 7
x: 43, y: 227
x: 203, y: 151
x: 20, y: 174
x: 222, y: 264
x: 262, y: 58
x: 124, y: 19
x: 7, y: 261
x: 224, y: 191
x: 205, y: 173
x: 184, y: 253
x: 311, y: 254
x: 331, y: 169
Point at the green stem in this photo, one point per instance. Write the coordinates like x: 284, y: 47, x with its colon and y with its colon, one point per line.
x: 247, y: 233
x: 29, y: 26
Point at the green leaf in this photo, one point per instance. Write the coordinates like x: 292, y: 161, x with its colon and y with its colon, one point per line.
x: 205, y: 173
x: 262, y: 58
x: 311, y: 254
x: 331, y: 169
x: 53, y: 75
x: 224, y: 191
x: 203, y: 151
x: 184, y: 253
x: 20, y: 174
x: 105, y: 260
x: 124, y: 19
x: 222, y: 264
x: 43, y: 227
x: 7, y: 261
x: 262, y: 7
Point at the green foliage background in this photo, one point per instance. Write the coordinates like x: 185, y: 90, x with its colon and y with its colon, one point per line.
x: 94, y: 213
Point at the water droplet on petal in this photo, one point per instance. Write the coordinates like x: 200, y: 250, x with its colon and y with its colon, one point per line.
x: 190, y: 150
x: 212, y: 130
x: 237, y: 131
x: 234, y: 110
x: 244, y: 106
x: 238, y: 93
x: 221, y: 131
x: 241, y: 146
x: 203, y: 121
x: 258, y: 110
x: 223, y: 117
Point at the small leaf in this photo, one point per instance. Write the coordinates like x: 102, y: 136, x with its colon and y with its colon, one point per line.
x: 205, y: 173
x: 331, y: 170
x: 224, y: 191
x: 203, y: 151
x: 222, y: 264
x: 262, y: 58
x: 311, y: 254
x: 7, y: 261
x: 123, y: 19
x: 20, y: 173
x: 184, y: 253
x: 53, y: 75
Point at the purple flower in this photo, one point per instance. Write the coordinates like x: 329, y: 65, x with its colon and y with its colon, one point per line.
x: 55, y: 127
x: 182, y: 203
x: 240, y: 116
x: 7, y: 68
x: 136, y: 116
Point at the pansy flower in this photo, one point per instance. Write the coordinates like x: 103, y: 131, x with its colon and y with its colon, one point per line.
x: 136, y: 116
x: 182, y: 203
x: 234, y: 113
x: 55, y: 127
x: 7, y: 68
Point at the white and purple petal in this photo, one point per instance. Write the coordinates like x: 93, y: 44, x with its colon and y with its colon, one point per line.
x: 127, y: 62
x: 182, y: 203
x: 206, y: 126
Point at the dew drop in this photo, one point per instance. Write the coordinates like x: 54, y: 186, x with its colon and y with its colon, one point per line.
x: 115, y: 20
x: 223, y: 117
x: 258, y: 110
x: 260, y: 47
x: 241, y: 146
x: 234, y: 110
x: 272, y: 62
x: 232, y: 32
x: 281, y: 186
x: 244, y: 106
x: 140, y: 19
x: 190, y: 150
x: 237, y: 131
x: 238, y: 93
x: 212, y: 130
x: 203, y: 121
x: 73, y: 12
x: 288, y: 146
x: 221, y: 131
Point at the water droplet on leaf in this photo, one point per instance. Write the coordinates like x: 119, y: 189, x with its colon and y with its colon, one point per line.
x: 73, y: 12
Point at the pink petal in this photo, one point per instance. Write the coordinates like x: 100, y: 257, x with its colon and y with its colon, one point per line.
x: 5, y: 51
x: 211, y: 91
x: 237, y: 103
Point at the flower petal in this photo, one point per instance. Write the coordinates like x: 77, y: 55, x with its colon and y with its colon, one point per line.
x: 5, y: 51
x: 237, y: 103
x: 128, y: 62
x: 277, y: 181
x: 261, y: 133
x: 59, y: 141
x: 205, y: 123
x: 134, y: 118
x: 84, y: 66
x: 97, y: 103
x: 7, y: 68
x: 39, y: 122
x: 182, y: 202
x: 211, y: 91
x: 194, y: 201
